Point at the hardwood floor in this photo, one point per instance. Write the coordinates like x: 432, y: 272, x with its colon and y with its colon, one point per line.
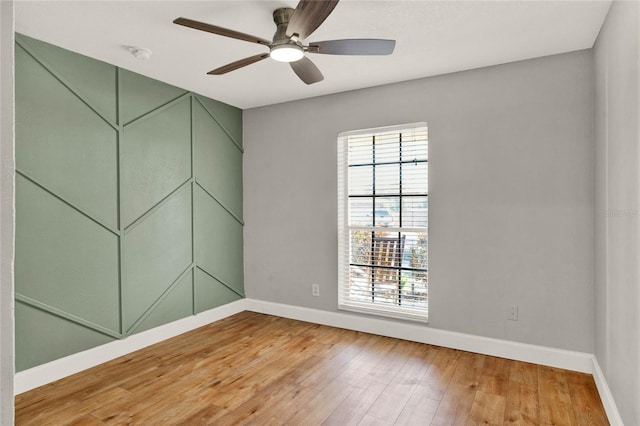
x: 264, y: 370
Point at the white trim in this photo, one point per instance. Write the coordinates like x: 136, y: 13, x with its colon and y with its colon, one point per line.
x: 559, y: 358
x: 384, y: 129
x: 7, y: 210
x: 358, y: 301
x: 407, y: 313
x: 63, y: 367
x: 610, y: 407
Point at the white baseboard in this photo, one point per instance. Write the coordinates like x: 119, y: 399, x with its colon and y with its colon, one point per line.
x: 606, y: 396
x: 552, y: 357
x: 63, y: 367
x: 559, y: 358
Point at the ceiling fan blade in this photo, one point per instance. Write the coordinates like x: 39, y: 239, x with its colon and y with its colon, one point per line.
x: 355, y: 46
x: 306, y: 70
x: 308, y: 16
x: 220, y: 31
x: 238, y: 64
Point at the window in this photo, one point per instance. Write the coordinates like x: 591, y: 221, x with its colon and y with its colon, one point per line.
x: 383, y: 222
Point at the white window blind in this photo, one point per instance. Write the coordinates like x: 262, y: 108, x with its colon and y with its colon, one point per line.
x: 383, y: 191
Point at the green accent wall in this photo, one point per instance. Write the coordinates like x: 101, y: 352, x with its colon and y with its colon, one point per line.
x: 128, y: 203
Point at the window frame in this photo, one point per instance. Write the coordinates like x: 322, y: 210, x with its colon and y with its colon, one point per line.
x: 344, y: 230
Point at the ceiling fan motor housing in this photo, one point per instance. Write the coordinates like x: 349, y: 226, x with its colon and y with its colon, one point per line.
x: 282, y: 17
x: 281, y: 42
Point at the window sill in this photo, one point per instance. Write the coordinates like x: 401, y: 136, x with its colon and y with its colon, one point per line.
x: 402, y: 314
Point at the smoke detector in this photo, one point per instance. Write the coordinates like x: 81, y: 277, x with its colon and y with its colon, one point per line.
x: 140, y: 53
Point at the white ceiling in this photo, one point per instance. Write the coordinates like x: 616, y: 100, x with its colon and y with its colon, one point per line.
x: 433, y: 37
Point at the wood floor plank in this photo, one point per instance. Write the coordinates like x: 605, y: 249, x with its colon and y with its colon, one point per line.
x: 455, y: 406
x: 210, y: 414
x: 522, y: 404
x: 321, y: 370
x: 523, y: 372
x: 112, y: 371
x: 370, y: 420
x: 585, y: 400
x: 435, y: 381
x: 256, y: 369
x: 87, y: 421
x: 456, y: 403
x: 325, y: 402
x: 55, y: 408
x: 247, y: 382
x: 494, y: 378
x: 469, y: 369
x: 387, y: 368
x: 74, y: 409
x: 356, y: 405
x: 553, y: 397
x: 286, y: 404
x: 374, y: 353
x: 487, y: 409
x: 52, y: 394
x: 419, y: 409
x: 395, y: 396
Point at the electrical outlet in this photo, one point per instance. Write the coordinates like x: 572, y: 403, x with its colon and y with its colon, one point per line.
x: 513, y: 313
x: 315, y: 290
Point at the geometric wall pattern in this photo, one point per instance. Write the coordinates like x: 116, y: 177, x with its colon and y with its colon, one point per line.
x: 128, y: 203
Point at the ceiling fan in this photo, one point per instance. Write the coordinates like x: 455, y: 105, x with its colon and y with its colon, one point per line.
x: 293, y: 27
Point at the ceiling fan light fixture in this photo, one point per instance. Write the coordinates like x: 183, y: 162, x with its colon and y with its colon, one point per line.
x: 286, y: 53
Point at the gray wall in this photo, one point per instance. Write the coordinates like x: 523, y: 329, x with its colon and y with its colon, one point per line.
x: 617, y: 206
x: 7, y: 164
x: 511, y: 193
